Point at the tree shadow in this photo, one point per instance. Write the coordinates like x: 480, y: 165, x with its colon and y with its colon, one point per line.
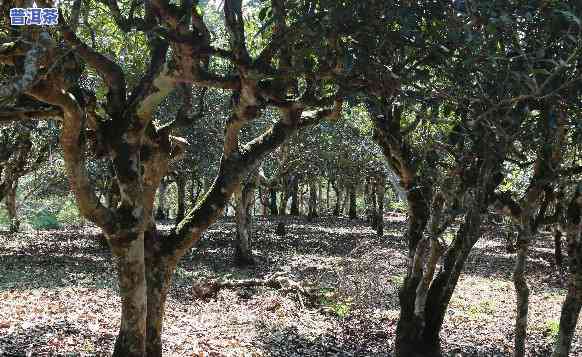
x: 40, y: 337
x: 54, y: 260
x: 289, y: 341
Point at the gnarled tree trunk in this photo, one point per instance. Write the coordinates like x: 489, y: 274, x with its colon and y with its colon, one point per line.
x: 244, y: 197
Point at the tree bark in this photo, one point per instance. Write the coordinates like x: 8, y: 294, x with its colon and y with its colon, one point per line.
x: 353, y: 213
x: 181, y: 191
x: 312, y: 200
x: 273, y: 202
x: 159, y: 272
x: 244, y: 196
x: 346, y: 202
x: 129, y: 251
x: 10, y: 202
x: 573, y: 302
x: 338, y: 200
x: 522, y: 292
x: 369, y: 203
x: 409, y: 328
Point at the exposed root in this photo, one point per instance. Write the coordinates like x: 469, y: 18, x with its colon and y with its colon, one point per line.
x: 209, y: 288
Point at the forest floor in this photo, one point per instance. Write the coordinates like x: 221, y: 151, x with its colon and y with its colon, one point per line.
x: 58, y: 295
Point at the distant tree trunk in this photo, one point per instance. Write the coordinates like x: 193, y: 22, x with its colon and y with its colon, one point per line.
x: 353, y: 214
x: 162, y: 212
x: 273, y: 202
x: 181, y: 191
x: 573, y: 302
x: 338, y: 200
x: 264, y: 200
x: 196, y: 188
x: 327, y: 190
x: 283, y: 199
x: 10, y: 202
x: 346, y: 201
x: 295, y: 197
x: 244, y: 197
x: 319, y: 205
x: 368, y: 201
x: 312, y: 200
x: 379, y: 219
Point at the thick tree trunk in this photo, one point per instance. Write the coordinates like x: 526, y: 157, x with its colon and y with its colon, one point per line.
x: 159, y: 272
x: 353, y: 213
x: 522, y: 292
x: 409, y: 328
x: 243, y: 243
x: 573, y: 303
x: 453, y: 262
x: 568, y: 320
x: 129, y: 251
x: 10, y: 202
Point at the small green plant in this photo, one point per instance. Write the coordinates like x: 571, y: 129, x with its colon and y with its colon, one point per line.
x: 331, y: 303
x: 44, y: 220
x: 553, y: 329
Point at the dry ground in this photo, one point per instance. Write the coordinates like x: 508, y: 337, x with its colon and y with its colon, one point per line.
x: 58, y: 295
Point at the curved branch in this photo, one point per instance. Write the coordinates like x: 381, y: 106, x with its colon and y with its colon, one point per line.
x: 87, y: 201
x: 108, y: 70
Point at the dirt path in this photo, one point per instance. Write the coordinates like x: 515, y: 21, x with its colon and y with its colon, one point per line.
x: 58, y: 295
